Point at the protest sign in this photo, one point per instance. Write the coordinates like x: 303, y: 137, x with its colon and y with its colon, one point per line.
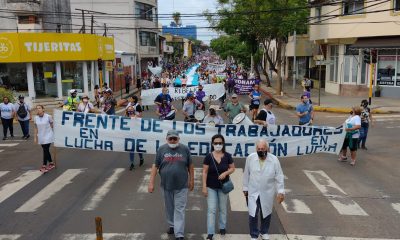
x: 244, y: 86
x: 213, y: 91
x: 122, y: 134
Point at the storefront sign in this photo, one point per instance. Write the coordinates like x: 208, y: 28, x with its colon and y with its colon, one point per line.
x: 122, y: 134
x: 109, y: 66
x: 51, y: 47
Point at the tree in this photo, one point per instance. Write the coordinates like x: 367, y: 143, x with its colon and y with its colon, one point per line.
x: 177, y: 18
x: 232, y: 46
x: 265, y: 23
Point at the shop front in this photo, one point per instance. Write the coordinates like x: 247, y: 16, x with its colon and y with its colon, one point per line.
x: 48, y: 65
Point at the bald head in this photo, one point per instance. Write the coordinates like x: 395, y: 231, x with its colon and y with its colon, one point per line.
x: 262, y: 145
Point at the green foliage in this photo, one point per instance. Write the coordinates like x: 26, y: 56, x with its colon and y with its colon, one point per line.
x: 6, y: 93
x: 177, y: 17
x: 232, y: 46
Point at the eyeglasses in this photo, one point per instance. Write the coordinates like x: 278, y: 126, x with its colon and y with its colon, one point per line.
x: 218, y: 143
x: 172, y: 139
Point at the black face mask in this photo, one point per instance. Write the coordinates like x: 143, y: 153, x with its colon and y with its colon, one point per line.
x: 261, y: 154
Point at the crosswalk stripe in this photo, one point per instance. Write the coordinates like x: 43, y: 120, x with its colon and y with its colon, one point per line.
x: 236, y: 198
x: 336, y: 196
x: 8, y: 144
x: 38, y: 200
x: 2, y: 173
x: 1, y: 150
x: 102, y: 191
x: 106, y: 236
x: 10, y: 236
x: 145, y: 182
x: 396, y: 206
x: 296, y: 206
x: 18, y: 183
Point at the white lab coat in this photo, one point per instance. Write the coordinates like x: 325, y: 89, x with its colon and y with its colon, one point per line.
x: 263, y: 183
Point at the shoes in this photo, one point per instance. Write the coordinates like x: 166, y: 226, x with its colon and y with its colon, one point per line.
x: 43, y: 169
x: 254, y: 238
x: 27, y: 136
x: 179, y: 238
x: 131, y: 167
x: 170, y: 231
x: 353, y: 163
x: 5, y: 138
x: 265, y: 236
x: 51, y: 166
x: 342, y: 159
x: 12, y: 136
x: 364, y: 148
x: 141, y: 162
x: 222, y: 231
x: 209, y: 237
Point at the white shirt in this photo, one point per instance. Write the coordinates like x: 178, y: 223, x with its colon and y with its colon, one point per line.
x: 85, y: 108
x: 352, y: 122
x: 271, y: 119
x: 6, y: 110
x: 27, y: 108
x: 263, y: 183
x: 45, y: 131
x: 213, y: 120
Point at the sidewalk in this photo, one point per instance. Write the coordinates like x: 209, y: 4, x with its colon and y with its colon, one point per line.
x: 329, y: 102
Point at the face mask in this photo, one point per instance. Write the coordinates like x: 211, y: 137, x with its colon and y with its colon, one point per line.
x: 173, y: 145
x: 218, y: 147
x: 130, y: 112
x: 261, y: 154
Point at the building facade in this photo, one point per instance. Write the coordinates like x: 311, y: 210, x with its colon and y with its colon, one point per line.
x: 357, y: 26
x: 188, y: 31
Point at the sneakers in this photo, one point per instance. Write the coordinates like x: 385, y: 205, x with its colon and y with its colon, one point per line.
x: 51, y: 166
x: 222, y: 231
x: 209, y: 237
x: 131, y: 167
x: 170, y: 231
x: 141, y: 162
x: 5, y: 138
x: 43, y: 169
x: 342, y: 159
x: 26, y: 137
x: 265, y: 236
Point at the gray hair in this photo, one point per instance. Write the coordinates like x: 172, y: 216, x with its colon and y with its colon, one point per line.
x: 262, y: 141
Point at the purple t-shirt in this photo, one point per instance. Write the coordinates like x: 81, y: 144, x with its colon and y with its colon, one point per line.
x: 200, y: 95
x: 164, y: 110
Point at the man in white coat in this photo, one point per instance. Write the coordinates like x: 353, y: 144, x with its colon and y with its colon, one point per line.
x: 262, y: 180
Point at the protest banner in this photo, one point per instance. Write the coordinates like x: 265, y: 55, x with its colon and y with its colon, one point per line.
x: 219, y: 68
x: 122, y: 134
x: 213, y: 91
x: 244, y: 86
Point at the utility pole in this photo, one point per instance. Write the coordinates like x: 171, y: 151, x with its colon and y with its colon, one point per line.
x: 294, y: 60
x: 83, y: 30
x: 91, y: 25
x: 105, y: 30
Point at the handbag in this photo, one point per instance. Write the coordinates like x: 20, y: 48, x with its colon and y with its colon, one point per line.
x: 227, y: 187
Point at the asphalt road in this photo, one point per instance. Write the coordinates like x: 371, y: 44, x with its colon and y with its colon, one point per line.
x: 325, y: 198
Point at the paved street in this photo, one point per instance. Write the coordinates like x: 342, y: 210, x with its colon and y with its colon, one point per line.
x: 324, y: 197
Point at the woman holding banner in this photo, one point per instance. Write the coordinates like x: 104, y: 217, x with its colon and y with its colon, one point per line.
x: 255, y: 97
x: 217, y: 167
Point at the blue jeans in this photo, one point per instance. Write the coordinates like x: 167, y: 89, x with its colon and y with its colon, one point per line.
x: 253, y: 222
x: 24, y: 127
x: 175, y: 207
x: 363, y: 134
x: 216, y: 197
x: 132, y: 157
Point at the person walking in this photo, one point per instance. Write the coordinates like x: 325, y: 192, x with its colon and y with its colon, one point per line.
x: 263, y: 179
x: 44, y: 136
x: 213, y: 118
x: 85, y: 105
x: 134, y: 110
x: 366, y: 119
x: 190, y: 106
x: 7, y: 116
x: 255, y: 97
x: 353, y: 125
x: 174, y: 164
x: 72, y: 101
x: 164, y: 109
x: 266, y: 117
x: 23, y: 112
x: 217, y: 166
x: 305, y: 111
x: 234, y: 107
x: 128, y: 80
x: 109, y: 103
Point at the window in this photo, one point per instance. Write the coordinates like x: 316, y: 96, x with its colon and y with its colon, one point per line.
x: 351, y: 7
x: 148, y: 39
x: 318, y: 11
x: 334, y: 62
x: 396, y: 5
x: 144, y: 11
x: 28, y: 19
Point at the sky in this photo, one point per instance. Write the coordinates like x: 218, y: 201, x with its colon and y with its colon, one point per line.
x: 189, y: 7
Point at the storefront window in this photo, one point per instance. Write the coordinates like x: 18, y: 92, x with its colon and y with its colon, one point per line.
x: 333, y: 67
x: 72, y: 76
x: 45, y: 79
x: 347, y: 60
x: 386, y: 70
x: 13, y: 76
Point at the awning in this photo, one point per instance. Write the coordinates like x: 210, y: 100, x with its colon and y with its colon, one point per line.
x: 377, y: 43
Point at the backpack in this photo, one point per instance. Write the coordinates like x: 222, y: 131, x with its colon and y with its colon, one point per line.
x: 22, y: 113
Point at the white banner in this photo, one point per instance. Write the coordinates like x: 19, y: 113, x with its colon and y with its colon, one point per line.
x: 219, y: 68
x: 122, y: 134
x: 213, y: 91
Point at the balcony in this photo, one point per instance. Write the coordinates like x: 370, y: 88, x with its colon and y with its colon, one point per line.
x: 24, y: 5
x: 148, y: 50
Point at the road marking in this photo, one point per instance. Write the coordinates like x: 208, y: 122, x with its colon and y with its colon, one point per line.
x: 2, y: 173
x: 236, y: 197
x: 336, y: 196
x: 396, y: 206
x: 196, y: 196
x: 8, y: 144
x: 59, y: 183
x: 145, y: 182
x: 102, y: 191
x: 10, y: 237
x: 1, y: 150
x: 125, y: 236
x: 313, y: 237
x: 18, y: 183
x: 296, y: 206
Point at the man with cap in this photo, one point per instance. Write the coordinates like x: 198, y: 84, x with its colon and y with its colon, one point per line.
x: 72, y: 101
x: 85, y: 106
x: 174, y: 164
x: 190, y: 106
x: 266, y: 117
x: 24, y: 114
x: 109, y: 103
x: 234, y: 107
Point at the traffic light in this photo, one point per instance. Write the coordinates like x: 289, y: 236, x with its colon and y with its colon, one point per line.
x: 100, y: 64
x: 374, y: 54
x: 367, y: 56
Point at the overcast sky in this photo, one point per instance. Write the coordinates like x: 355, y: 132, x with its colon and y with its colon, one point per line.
x: 189, y: 7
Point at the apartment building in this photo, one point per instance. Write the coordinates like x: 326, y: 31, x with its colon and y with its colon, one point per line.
x: 342, y: 30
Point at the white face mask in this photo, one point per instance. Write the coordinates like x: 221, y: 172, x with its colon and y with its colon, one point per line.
x: 218, y: 147
x: 173, y: 145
